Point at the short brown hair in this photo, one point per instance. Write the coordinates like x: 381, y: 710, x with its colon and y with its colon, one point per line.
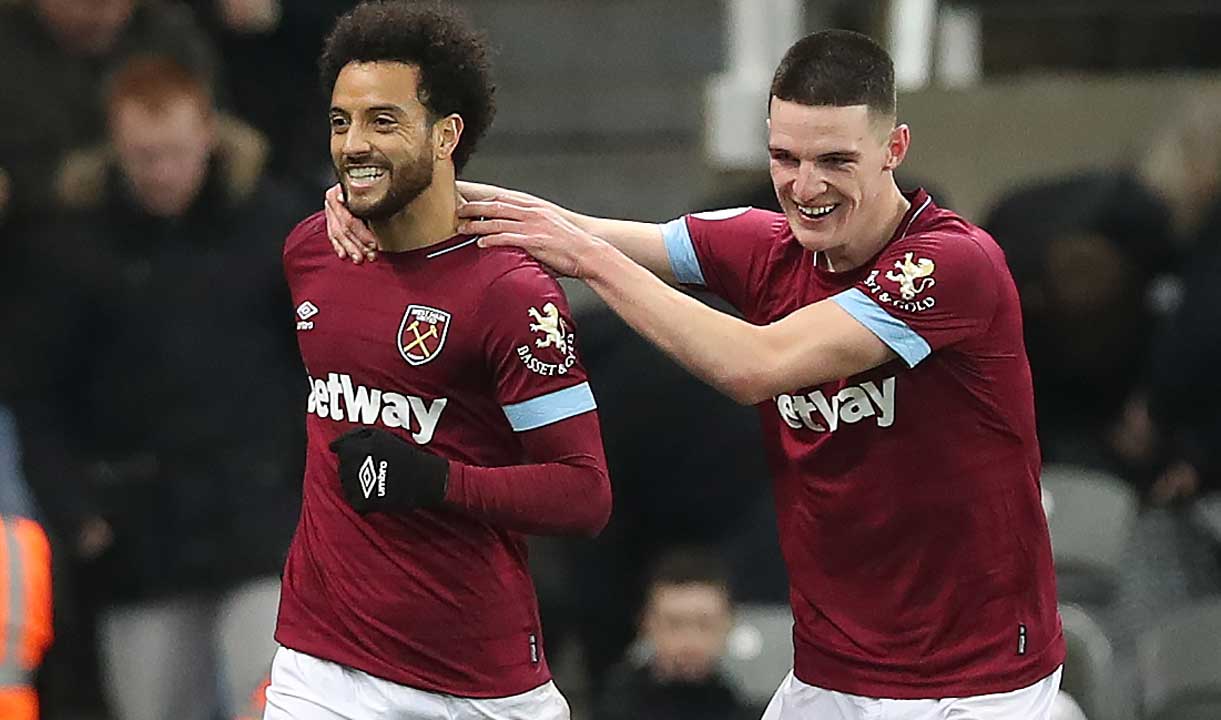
x: 154, y: 81
x: 689, y: 565
x: 837, y: 68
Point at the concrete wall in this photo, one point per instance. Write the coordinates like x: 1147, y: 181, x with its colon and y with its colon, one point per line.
x: 977, y: 143
x: 600, y: 101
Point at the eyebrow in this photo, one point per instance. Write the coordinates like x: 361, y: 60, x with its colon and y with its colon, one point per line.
x: 834, y: 154
x: 838, y: 154
x: 374, y: 109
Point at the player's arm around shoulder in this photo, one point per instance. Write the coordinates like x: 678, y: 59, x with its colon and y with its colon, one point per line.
x: 490, y: 210
x: 748, y: 362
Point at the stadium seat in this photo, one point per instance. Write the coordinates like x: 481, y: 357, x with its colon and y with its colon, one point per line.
x: 759, y: 653
x: 1091, y: 514
x: 1089, y: 669
x: 1206, y: 511
x: 1180, y: 664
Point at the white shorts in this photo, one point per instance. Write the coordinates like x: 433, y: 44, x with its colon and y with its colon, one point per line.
x: 795, y: 700
x: 304, y: 687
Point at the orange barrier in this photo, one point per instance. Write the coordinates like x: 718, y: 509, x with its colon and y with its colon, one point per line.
x: 258, y: 702
x: 25, y: 588
x: 18, y: 704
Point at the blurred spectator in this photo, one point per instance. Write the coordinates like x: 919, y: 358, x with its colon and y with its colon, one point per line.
x: 1186, y: 161
x: 1186, y: 392
x: 42, y: 362
x: 270, y: 47
x: 1085, y: 252
x: 57, y: 54
x: 698, y: 492
x: 1182, y: 166
x: 190, y: 410
x: 252, y: 17
x: 1095, y: 258
x: 685, y: 623
x: 25, y: 584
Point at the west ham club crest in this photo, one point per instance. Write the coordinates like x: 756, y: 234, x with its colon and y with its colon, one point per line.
x: 422, y: 333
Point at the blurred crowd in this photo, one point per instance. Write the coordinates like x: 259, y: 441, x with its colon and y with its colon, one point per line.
x: 148, y: 358
x: 154, y: 154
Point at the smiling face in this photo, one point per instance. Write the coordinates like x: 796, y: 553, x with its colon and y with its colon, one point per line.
x: 382, y: 140
x: 831, y: 168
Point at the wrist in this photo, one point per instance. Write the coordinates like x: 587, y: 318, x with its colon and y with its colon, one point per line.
x: 455, y: 484
x: 576, y: 218
x: 597, y: 260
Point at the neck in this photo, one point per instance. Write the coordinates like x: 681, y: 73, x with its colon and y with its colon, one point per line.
x: 892, y: 206
x: 429, y: 219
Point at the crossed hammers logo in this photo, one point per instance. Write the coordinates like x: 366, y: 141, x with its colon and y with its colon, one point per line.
x: 414, y: 327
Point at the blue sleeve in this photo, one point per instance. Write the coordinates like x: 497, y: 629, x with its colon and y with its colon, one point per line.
x: 906, y: 342
x: 550, y: 408
x: 683, y: 261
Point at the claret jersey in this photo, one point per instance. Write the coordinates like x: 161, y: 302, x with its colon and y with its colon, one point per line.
x: 907, y: 496
x: 460, y: 350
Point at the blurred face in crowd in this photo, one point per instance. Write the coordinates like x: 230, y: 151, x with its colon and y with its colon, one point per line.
x: 382, y: 138
x: 86, y: 27
x: 164, y: 151
x: 1088, y: 276
x: 687, y: 625
x: 830, y: 166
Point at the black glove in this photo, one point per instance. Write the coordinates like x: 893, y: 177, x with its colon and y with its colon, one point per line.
x: 381, y: 472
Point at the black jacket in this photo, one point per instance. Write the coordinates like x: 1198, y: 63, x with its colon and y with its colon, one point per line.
x: 190, y: 410
x: 1186, y: 394
x: 632, y: 693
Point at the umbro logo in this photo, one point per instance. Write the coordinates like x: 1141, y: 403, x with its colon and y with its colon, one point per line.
x: 305, y: 311
x: 369, y: 478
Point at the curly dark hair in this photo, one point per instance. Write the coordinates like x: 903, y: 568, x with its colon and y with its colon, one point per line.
x: 451, y: 55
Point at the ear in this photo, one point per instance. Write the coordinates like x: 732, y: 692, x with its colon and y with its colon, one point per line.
x: 446, y: 133
x: 897, y: 142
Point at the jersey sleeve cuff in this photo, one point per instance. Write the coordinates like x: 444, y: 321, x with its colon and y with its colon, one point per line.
x: 897, y: 335
x: 681, y: 250
x: 550, y: 408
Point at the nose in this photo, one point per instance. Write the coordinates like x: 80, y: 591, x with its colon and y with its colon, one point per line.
x: 355, y: 144
x: 809, y: 183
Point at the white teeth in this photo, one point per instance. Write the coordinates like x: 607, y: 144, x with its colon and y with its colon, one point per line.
x: 365, y: 173
x: 816, y: 212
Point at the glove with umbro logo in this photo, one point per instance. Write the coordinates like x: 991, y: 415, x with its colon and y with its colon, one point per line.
x: 381, y: 472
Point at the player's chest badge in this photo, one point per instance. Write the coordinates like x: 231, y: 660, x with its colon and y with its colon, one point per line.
x: 422, y: 333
